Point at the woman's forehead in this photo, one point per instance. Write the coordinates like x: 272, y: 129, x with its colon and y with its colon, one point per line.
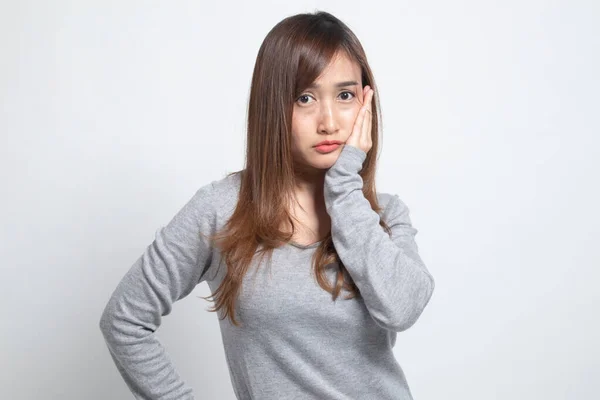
x: 341, y: 71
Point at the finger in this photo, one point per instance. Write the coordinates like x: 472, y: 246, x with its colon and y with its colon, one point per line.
x: 366, y: 128
x: 365, y: 92
x: 359, y: 122
x: 370, y: 97
x: 367, y: 102
x: 367, y: 124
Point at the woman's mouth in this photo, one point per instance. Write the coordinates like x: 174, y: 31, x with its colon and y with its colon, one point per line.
x: 327, y: 148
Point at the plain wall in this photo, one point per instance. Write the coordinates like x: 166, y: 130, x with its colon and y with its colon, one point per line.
x: 114, y: 113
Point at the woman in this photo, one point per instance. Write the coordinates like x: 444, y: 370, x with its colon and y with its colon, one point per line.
x: 307, y: 201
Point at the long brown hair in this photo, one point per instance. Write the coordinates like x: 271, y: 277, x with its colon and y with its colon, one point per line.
x: 291, y: 57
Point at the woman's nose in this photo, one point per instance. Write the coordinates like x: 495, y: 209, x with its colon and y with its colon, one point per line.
x: 328, y: 121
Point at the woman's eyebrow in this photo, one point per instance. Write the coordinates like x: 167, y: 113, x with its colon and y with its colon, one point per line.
x: 339, y: 84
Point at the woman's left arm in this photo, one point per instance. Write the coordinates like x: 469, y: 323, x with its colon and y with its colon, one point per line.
x: 393, y: 280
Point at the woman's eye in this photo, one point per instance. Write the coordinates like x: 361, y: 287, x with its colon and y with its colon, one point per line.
x: 347, y: 95
x: 304, y: 99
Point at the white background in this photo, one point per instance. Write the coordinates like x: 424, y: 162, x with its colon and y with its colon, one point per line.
x: 114, y: 113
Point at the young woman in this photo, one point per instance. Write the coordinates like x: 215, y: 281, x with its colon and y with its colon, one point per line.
x: 306, y: 200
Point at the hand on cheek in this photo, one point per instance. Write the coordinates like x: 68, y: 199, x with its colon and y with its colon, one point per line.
x: 361, y: 132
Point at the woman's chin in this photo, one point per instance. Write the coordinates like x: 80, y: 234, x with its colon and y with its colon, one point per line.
x: 321, y: 163
x: 325, y: 162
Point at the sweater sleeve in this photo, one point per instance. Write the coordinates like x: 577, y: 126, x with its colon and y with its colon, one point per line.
x: 393, y: 280
x: 168, y: 270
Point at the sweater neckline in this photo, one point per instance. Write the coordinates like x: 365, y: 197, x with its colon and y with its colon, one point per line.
x: 305, y: 246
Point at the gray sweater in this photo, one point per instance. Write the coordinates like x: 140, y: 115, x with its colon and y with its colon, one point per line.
x: 295, y: 342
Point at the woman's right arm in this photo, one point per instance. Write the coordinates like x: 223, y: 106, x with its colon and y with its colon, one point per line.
x: 168, y: 270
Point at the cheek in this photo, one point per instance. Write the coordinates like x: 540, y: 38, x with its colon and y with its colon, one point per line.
x: 348, y: 116
x: 300, y: 132
x: 302, y: 124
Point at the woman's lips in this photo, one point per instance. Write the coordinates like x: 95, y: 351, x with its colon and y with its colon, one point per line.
x: 326, y: 148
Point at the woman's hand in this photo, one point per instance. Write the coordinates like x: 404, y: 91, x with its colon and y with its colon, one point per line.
x: 361, y: 132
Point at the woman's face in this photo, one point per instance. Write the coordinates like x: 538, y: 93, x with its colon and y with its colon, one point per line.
x: 326, y: 110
